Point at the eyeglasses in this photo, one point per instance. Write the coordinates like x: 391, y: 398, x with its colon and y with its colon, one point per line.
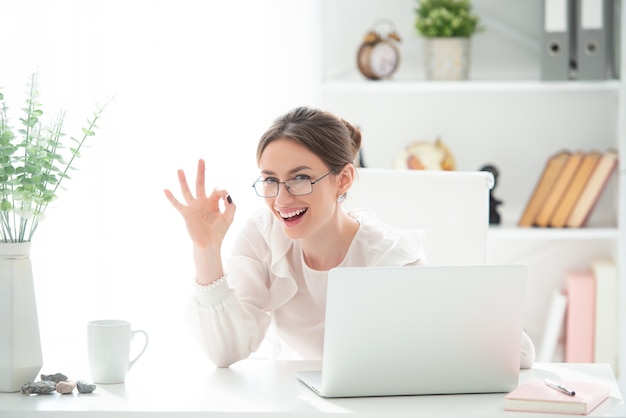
x: 296, y: 187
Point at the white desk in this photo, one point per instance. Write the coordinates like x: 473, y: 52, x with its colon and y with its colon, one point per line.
x: 263, y: 387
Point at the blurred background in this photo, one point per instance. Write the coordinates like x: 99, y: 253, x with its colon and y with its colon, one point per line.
x: 186, y: 80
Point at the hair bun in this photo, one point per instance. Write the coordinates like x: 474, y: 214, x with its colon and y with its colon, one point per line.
x: 355, y: 135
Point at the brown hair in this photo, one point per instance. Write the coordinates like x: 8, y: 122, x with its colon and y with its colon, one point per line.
x: 335, y: 141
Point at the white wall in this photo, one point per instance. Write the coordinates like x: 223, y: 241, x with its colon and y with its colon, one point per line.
x: 190, y: 79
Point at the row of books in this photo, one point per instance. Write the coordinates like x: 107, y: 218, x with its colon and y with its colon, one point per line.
x: 585, y: 317
x: 569, y: 188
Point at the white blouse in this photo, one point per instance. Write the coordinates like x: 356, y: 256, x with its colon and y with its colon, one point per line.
x: 268, y: 286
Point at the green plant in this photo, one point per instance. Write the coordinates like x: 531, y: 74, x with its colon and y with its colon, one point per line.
x: 446, y: 18
x: 33, y: 164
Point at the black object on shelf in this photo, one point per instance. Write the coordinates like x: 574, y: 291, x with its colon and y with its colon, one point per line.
x: 494, y: 216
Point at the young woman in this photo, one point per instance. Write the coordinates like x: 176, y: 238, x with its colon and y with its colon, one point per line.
x: 276, y: 275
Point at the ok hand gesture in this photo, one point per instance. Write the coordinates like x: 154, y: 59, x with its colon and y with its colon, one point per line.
x: 206, y: 223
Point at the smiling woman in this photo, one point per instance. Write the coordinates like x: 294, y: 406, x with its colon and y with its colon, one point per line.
x: 277, y: 272
x: 188, y: 79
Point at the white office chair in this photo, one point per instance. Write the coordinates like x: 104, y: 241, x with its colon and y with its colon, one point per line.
x: 452, y: 207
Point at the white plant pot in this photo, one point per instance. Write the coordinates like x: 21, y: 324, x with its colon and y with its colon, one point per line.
x: 20, y: 343
x: 447, y: 58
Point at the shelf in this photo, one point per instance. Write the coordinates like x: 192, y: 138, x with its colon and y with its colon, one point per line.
x: 356, y: 83
x: 506, y: 232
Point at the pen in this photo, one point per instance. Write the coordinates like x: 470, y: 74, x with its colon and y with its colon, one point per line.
x: 559, y: 387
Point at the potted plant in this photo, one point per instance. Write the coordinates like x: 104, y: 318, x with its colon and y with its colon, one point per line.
x: 447, y: 26
x: 35, y: 158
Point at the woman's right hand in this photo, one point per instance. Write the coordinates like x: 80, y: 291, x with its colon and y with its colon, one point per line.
x: 206, y: 223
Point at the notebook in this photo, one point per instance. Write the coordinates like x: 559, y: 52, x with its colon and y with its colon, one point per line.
x: 421, y: 330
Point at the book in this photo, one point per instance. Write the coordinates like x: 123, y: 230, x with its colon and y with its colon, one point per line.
x: 574, y: 190
x: 536, y: 396
x: 553, y: 329
x: 550, y: 172
x: 594, y: 187
x: 607, y: 313
x: 558, y: 189
x: 580, y: 290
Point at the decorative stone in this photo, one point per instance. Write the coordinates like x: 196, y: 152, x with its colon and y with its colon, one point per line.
x: 56, y: 378
x: 84, y: 387
x: 66, y: 386
x: 39, y: 388
x: 28, y: 388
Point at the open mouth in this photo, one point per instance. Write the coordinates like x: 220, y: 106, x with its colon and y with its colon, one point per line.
x: 292, y: 215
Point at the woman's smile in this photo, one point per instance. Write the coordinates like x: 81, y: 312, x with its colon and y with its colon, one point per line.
x: 291, y: 216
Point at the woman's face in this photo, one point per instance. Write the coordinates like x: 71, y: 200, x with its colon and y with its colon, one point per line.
x: 283, y: 160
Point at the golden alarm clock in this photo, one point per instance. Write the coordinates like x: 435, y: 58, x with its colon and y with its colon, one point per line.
x: 378, y: 56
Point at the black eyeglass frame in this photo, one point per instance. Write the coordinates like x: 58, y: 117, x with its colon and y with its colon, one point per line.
x: 278, y: 183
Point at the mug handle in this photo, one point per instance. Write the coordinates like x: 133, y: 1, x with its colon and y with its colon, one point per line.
x: 145, y: 345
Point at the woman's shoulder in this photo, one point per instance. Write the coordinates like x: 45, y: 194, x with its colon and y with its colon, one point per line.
x: 372, y: 224
x: 384, y: 244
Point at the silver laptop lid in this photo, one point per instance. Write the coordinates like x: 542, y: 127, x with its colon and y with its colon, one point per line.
x: 423, y: 330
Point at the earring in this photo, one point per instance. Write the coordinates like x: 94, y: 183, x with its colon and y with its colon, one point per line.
x: 341, y: 198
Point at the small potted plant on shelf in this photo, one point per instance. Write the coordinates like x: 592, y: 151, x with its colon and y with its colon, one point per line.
x: 35, y: 158
x: 447, y: 26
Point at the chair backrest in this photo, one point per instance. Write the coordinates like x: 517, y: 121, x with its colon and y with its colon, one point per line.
x: 452, y: 207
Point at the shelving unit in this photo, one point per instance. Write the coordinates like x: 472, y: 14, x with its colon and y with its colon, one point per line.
x: 512, y: 232
x: 354, y: 82
x: 504, y: 115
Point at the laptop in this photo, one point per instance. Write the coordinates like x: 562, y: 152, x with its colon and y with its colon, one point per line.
x: 421, y: 330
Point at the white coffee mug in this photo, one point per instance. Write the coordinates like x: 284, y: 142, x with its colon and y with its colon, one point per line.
x: 108, y: 349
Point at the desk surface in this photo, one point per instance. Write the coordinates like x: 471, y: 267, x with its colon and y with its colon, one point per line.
x: 263, y: 387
